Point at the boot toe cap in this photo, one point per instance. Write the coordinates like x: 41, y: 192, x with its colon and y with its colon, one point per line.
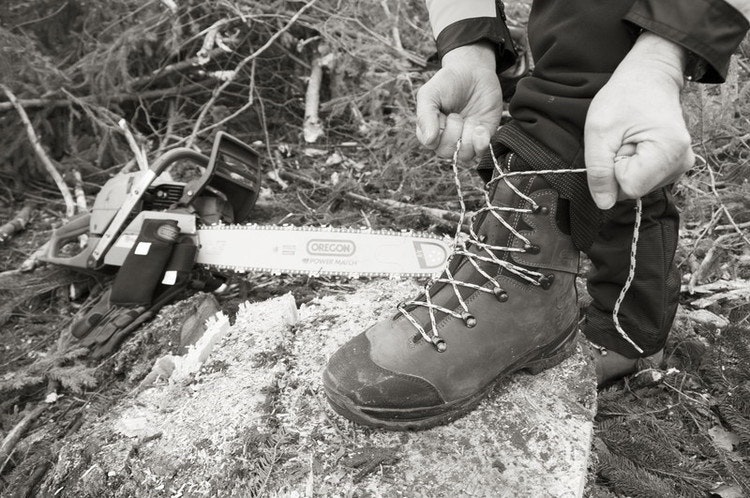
x: 354, y: 380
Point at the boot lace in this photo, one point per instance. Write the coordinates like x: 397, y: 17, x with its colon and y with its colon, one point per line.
x: 488, y: 253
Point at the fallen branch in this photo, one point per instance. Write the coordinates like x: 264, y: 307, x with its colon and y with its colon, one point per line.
x: 70, y: 206
x: 17, y: 224
x: 708, y: 260
x: 718, y: 286
x: 83, y: 239
x: 742, y: 294
x: 241, y: 110
x: 32, y: 261
x: 395, y: 34
x: 138, y: 153
x: 16, y: 433
x: 218, y: 91
x: 312, y: 128
x: 80, y: 195
x: 439, y: 217
x: 116, y: 98
x: 173, y: 68
x: 724, y: 228
x: 723, y: 207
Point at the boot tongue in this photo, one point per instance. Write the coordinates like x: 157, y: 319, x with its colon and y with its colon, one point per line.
x: 501, y: 195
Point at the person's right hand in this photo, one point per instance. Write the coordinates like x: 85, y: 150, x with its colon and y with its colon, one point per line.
x: 462, y: 100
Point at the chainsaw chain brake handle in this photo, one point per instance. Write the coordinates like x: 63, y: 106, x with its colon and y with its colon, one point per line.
x: 232, y: 171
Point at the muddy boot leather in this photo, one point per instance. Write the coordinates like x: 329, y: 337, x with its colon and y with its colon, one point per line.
x: 390, y: 376
x: 612, y: 366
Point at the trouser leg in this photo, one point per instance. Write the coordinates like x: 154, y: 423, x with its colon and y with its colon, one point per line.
x: 576, y: 46
x: 650, y: 304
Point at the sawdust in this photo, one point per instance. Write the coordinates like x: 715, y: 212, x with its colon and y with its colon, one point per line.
x: 253, y: 420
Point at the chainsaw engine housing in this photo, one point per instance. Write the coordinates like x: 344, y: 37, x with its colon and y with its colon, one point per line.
x: 225, y: 191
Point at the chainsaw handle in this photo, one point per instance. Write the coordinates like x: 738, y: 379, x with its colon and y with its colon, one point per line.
x: 162, y: 162
x: 78, y: 225
x: 96, y: 255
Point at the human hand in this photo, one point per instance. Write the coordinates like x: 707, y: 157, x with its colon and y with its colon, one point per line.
x: 635, y: 136
x: 462, y: 100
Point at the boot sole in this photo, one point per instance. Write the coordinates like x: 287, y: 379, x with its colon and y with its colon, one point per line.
x: 534, y: 364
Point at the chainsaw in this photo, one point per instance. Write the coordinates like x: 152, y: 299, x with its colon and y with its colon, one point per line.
x: 213, y: 208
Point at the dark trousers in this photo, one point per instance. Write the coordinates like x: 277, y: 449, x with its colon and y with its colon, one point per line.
x: 576, y: 45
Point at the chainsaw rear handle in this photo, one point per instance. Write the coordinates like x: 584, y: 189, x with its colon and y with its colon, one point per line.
x: 77, y: 226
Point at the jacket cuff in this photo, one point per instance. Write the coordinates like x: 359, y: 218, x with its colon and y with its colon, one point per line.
x: 480, y: 29
x: 711, y: 30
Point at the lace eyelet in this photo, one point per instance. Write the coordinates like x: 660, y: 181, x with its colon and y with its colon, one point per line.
x: 440, y: 345
x: 469, y: 320
x: 531, y: 249
x: 500, y: 294
x: 540, y: 210
x: 546, y: 281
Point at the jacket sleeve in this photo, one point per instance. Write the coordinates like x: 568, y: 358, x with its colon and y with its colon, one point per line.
x: 455, y: 24
x: 711, y: 30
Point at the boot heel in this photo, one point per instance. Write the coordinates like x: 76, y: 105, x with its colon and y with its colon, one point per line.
x: 563, y: 351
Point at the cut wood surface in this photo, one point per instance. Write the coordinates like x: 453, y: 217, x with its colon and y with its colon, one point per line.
x: 254, y: 421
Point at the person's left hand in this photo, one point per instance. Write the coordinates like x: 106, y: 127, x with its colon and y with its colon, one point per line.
x: 635, y: 137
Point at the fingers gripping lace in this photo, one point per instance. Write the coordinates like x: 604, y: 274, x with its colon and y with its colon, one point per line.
x: 488, y: 254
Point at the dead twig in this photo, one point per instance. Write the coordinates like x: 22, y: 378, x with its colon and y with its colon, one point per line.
x: 395, y: 34
x: 70, y: 206
x: 219, y: 90
x: 116, y: 98
x: 17, y: 432
x: 719, y: 286
x: 80, y: 195
x: 741, y: 294
x: 723, y: 207
x: 708, y: 260
x: 15, y: 225
x: 312, y: 128
x: 138, y: 153
x: 724, y: 228
x: 169, y: 132
x: 31, y: 262
x: 241, y: 110
x: 720, y: 290
x: 439, y: 217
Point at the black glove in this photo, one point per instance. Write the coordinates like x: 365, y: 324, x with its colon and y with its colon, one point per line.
x: 155, y: 271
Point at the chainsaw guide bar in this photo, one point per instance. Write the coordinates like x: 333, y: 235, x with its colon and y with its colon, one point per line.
x: 322, y: 251
x: 222, y: 198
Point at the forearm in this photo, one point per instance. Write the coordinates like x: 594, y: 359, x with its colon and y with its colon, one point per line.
x: 480, y: 54
x: 710, y: 30
x: 654, y: 53
x: 458, y: 24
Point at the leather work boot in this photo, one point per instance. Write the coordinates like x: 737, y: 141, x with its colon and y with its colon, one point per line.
x: 506, y: 302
